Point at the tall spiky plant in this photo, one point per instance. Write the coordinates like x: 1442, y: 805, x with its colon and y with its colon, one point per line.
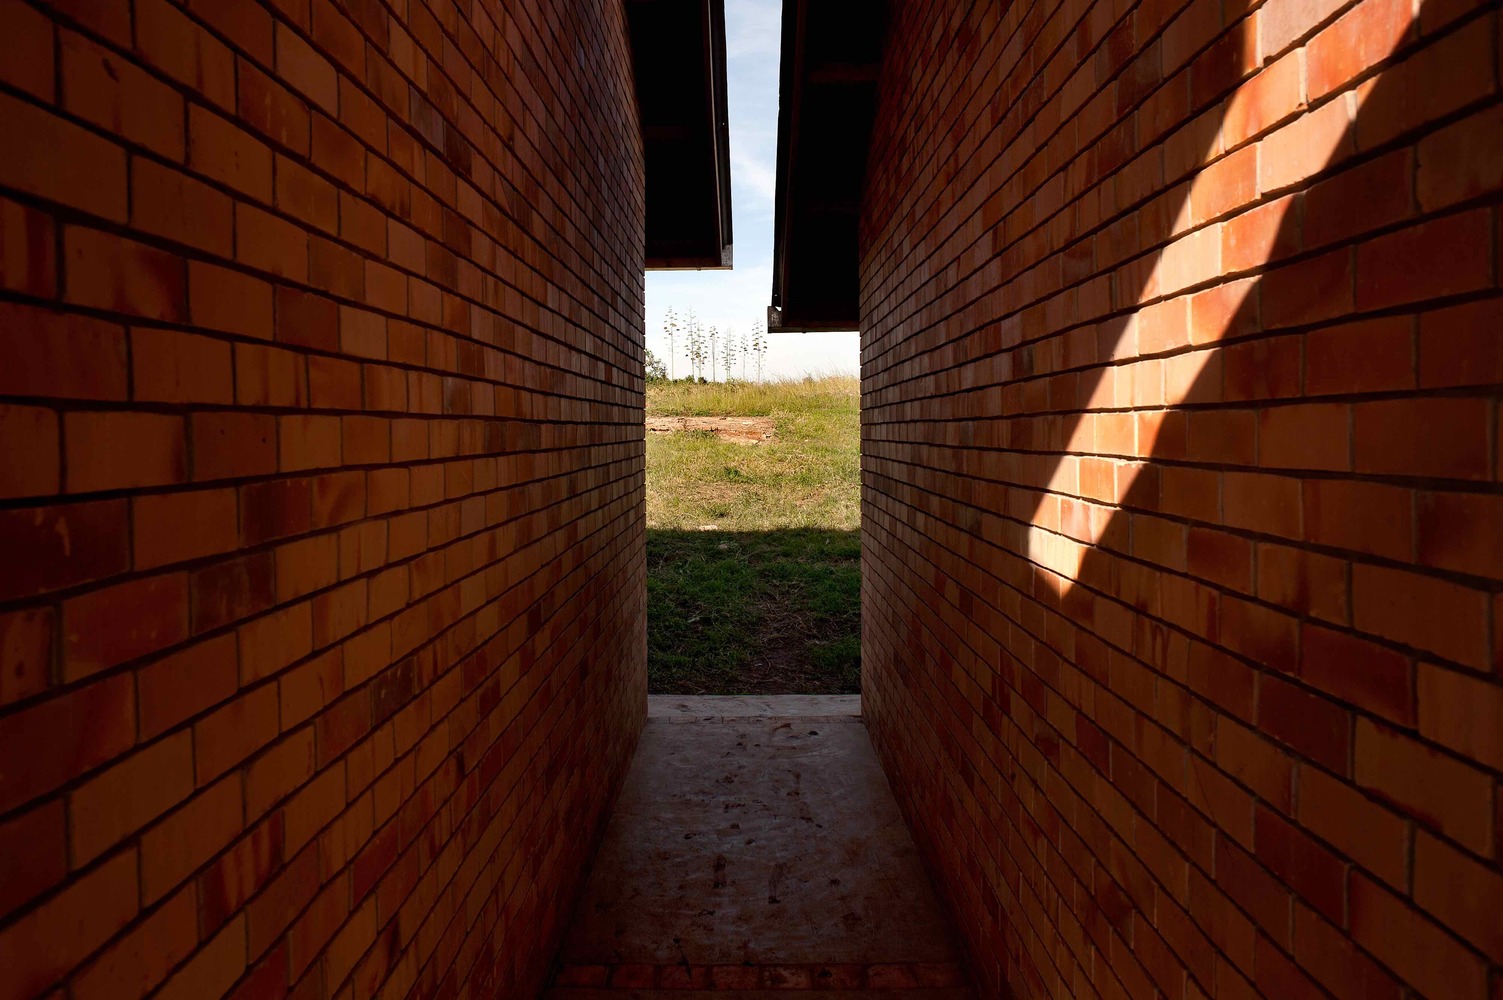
x: 670, y: 327
x: 759, y: 347
x: 728, y: 355
x: 696, y: 346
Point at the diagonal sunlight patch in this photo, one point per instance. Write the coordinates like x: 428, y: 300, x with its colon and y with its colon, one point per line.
x: 1116, y: 433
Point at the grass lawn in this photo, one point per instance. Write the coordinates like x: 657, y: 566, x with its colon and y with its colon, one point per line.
x: 753, y: 551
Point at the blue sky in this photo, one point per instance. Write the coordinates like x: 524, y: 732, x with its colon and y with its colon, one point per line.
x: 738, y: 298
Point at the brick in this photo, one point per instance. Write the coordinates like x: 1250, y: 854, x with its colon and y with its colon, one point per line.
x: 1264, y: 503
x: 269, y: 243
x: 1462, y: 161
x: 1331, y: 958
x: 26, y: 651
x: 45, y: 944
x: 1260, y: 235
x: 140, y: 961
x: 316, y: 926
x: 273, y: 642
x: 1224, y: 186
x: 128, y: 795
x: 1363, y: 673
x: 1439, y: 791
x: 1460, y: 712
x: 1313, y: 726
x: 190, y: 836
x: 305, y: 70
x: 1397, y: 437
x: 278, y: 772
x: 1459, y: 346
x: 1245, y: 882
x: 26, y: 50
x: 169, y: 366
x: 62, y: 546
x: 28, y: 250
x: 334, y: 384
x: 1358, y: 41
x: 184, y: 684
x: 307, y: 441
x: 34, y: 856
x: 30, y: 439
x: 1372, y: 835
x: 233, y: 445
x: 1284, y: 22
x: 72, y: 357
x: 240, y: 873
x: 1461, y: 893
x: 1305, y: 436
x: 171, y: 204
x: 123, y: 622
x: 1402, y: 939
x: 1360, y: 516
x: 1420, y: 611
x: 306, y: 689
x: 1453, y: 66
x: 307, y: 319
x: 182, y: 128
x: 335, y: 270
x: 107, y: 272
x: 1460, y: 531
x: 232, y: 733
x: 115, y: 450
x: 275, y: 509
x: 183, y: 50
x: 1308, y: 291
x: 1363, y: 357
x: 223, y: 152
x: 266, y: 376
x: 1432, y: 260
x: 1359, y: 200
x: 1309, y: 145
x: 272, y: 109
x: 223, y: 299
x: 232, y: 589
x: 362, y: 333
x: 61, y: 162
x: 109, y: 18
x: 177, y: 527
x: 213, y: 970
x: 308, y: 198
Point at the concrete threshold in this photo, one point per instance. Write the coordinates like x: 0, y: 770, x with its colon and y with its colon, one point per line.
x: 757, y: 849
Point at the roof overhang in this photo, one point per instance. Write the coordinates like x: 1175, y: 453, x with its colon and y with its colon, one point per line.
x: 826, y: 104
x: 678, y: 53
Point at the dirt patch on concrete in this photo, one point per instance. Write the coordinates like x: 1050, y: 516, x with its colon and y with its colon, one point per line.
x: 738, y: 430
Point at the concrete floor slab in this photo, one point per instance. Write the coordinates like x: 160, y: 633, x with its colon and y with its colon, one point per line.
x: 757, y: 845
x: 711, y: 708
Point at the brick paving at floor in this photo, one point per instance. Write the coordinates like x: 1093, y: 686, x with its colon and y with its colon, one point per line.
x: 756, y: 851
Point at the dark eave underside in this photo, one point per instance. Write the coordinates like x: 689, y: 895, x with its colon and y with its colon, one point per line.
x: 678, y: 52
x: 827, y: 100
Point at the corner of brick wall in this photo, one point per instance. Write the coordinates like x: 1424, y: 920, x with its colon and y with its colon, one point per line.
x: 1182, y: 347
x: 321, y: 619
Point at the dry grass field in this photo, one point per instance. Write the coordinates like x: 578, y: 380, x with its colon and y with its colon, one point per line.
x: 753, y: 550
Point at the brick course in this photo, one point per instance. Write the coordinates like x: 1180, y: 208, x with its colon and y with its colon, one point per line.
x: 321, y: 646
x: 1180, y: 403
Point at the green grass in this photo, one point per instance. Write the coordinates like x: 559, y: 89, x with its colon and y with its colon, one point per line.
x: 753, y: 551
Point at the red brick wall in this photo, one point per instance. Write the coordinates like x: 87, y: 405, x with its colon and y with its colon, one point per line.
x: 321, y: 612
x: 1182, y: 347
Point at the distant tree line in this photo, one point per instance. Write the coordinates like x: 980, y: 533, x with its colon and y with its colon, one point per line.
x: 712, y: 353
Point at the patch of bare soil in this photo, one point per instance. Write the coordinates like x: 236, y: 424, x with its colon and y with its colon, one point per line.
x: 738, y: 430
